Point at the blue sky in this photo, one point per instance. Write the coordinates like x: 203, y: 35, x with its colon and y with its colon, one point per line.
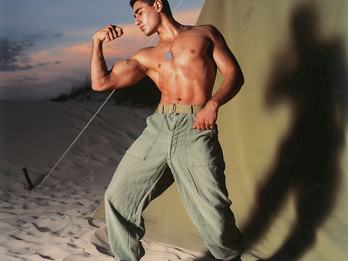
x: 45, y: 44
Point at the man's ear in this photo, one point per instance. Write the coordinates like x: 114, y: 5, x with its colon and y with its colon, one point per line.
x: 158, y: 5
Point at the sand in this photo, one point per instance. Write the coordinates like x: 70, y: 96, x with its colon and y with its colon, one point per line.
x: 54, y: 222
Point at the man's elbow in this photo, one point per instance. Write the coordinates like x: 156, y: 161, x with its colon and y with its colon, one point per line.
x: 97, y: 87
x: 237, y: 79
x: 100, y: 85
x: 241, y: 80
x: 237, y: 75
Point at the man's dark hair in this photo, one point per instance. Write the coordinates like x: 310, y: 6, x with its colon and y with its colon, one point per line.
x: 166, y: 7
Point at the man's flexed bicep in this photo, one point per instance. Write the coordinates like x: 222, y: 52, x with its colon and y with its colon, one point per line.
x: 123, y: 74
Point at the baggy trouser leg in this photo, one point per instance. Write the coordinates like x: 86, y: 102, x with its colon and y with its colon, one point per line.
x: 209, y: 209
x: 124, y: 222
x: 133, y: 186
x: 126, y: 197
x: 198, y: 169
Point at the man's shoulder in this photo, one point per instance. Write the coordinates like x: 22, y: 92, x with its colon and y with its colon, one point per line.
x: 204, y: 28
x: 142, y: 53
x: 207, y: 30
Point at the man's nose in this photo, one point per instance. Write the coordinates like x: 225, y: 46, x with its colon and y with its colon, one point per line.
x: 137, y: 21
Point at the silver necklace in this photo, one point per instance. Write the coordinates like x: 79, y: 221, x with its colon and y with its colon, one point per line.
x: 168, y: 55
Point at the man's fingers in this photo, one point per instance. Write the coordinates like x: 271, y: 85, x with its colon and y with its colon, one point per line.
x: 203, y: 126
x: 119, y: 31
x: 108, y: 33
x: 113, y: 33
x: 205, y: 120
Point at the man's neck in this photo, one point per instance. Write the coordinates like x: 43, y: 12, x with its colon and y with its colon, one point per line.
x: 168, y: 29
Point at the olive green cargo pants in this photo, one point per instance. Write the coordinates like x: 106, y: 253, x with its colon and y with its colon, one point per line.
x: 196, y: 163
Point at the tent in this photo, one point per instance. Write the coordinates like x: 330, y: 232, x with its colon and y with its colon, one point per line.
x: 284, y: 135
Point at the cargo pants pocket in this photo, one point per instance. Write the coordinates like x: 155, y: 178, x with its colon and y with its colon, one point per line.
x: 203, y: 148
x: 141, y: 148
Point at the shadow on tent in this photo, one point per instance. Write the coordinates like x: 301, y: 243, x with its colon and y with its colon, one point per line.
x: 307, y: 163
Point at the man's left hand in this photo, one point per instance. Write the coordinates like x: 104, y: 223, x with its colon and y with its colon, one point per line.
x: 205, y: 119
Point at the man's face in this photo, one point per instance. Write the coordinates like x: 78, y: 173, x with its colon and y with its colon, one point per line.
x: 146, y: 17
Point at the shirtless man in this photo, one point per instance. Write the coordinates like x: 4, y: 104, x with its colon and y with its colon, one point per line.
x: 181, y: 135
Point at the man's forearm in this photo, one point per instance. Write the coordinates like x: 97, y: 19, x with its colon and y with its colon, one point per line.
x: 229, y: 88
x: 98, y: 65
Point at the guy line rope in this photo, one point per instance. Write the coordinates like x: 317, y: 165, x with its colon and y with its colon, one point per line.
x: 78, y: 136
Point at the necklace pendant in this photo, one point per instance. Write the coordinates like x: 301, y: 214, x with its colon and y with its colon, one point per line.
x: 169, y: 56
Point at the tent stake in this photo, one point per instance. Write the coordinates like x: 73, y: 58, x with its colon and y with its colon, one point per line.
x: 28, y: 178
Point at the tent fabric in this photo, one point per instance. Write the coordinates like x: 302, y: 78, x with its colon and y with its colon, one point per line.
x: 284, y: 135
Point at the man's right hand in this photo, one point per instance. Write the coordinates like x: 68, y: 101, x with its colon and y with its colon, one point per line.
x: 109, y: 33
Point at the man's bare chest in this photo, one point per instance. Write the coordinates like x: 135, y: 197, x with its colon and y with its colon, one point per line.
x: 181, y: 55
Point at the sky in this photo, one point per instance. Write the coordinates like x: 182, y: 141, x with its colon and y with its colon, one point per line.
x: 45, y: 45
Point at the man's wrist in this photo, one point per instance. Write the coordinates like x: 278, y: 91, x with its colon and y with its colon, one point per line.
x: 213, y: 105
x: 96, y: 40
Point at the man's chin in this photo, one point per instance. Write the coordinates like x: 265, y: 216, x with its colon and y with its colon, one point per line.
x: 148, y: 33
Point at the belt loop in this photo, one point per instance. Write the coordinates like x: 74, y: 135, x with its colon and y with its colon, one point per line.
x: 191, y: 108
x: 162, y: 108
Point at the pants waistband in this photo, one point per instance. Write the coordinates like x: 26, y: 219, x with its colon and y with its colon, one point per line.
x: 178, y: 108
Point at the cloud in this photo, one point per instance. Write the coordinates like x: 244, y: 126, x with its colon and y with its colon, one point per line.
x: 188, y: 17
x: 14, y: 54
